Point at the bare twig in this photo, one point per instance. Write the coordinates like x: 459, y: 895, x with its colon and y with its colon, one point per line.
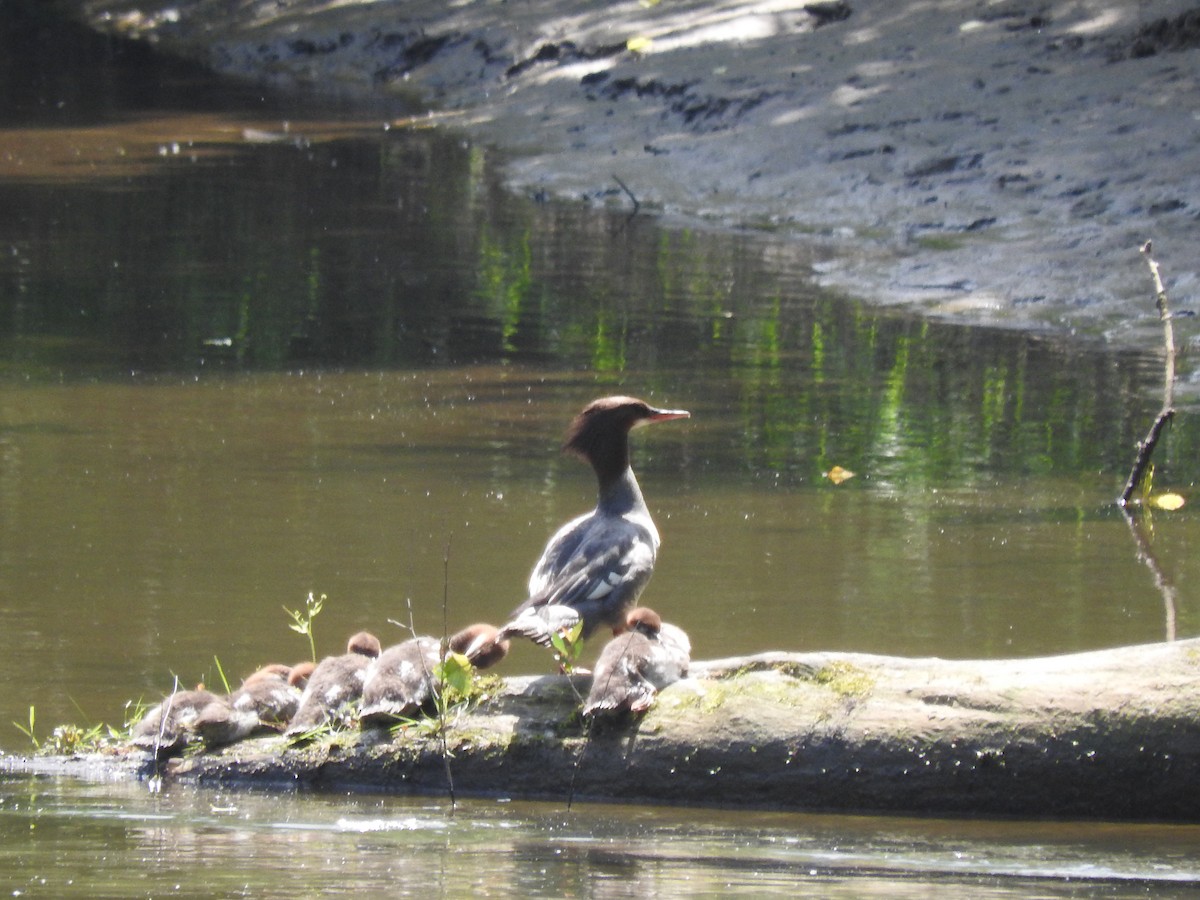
x: 1145, y: 554
x: 438, y: 701
x: 164, y: 710
x: 636, y: 203
x: 1146, y: 447
x: 587, y: 737
x: 439, y: 693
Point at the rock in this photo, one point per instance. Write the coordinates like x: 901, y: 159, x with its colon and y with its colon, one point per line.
x: 1111, y: 734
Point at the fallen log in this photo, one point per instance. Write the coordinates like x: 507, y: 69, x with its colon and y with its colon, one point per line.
x: 1112, y: 734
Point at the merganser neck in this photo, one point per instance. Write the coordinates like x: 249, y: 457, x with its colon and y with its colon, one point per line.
x: 620, y: 494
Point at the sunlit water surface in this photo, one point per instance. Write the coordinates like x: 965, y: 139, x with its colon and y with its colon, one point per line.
x: 216, y: 844
x: 251, y: 351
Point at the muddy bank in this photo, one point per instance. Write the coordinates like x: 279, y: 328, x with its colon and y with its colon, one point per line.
x: 1110, y: 735
x: 981, y: 160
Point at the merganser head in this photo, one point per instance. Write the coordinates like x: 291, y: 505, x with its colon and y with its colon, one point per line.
x: 364, y: 643
x: 600, y: 433
x: 272, y: 670
x: 481, y: 644
x: 644, y: 620
x: 300, y: 673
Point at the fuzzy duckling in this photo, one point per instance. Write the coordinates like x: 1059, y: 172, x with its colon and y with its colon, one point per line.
x: 334, y: 683
x: 167, y: 727
x: 400, y: 682
x: 634, y: 666
x: 267, y: 700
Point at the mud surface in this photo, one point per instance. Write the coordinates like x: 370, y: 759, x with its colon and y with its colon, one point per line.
x: 993, y: 161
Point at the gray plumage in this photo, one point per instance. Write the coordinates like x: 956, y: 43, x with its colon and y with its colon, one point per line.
x: 636, y: 665
x: 599, y: 563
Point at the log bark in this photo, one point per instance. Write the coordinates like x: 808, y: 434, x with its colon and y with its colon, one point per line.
x: 1111, y: 734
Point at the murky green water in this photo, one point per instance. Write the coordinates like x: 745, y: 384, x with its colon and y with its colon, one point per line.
x: 242, y: 360
x: 215, y: 844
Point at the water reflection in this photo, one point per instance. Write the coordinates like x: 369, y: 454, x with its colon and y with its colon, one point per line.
x: 225, y: 844
x: 260, y: 368
x: 236, y: 368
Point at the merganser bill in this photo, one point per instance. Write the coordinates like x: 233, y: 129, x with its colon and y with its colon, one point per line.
x: 400, y: 682
x: 599, y: 563
x: 337, y: 681
x: 634, y: 666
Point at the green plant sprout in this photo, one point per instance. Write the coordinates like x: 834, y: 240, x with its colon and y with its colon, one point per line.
x: 302, y: 620
x: 221, y: 672
x: 458, y: 688
x: 28, y: 730
x: 567, y: 647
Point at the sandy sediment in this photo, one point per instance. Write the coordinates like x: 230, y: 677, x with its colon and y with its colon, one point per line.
x: 987, y: 161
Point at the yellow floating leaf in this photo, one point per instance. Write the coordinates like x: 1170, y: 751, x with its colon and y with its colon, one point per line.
x: 1167, y: 501
x: 639, y: 44
x: 837, y: 474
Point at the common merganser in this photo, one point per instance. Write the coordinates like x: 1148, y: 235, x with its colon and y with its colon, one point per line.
x: 599, y: 563
x: 633, y: 667
x: 267, y: 700
x: 336, y: 682
x: 541, y: 623
x: 167, y: 727
x: 400, y: 682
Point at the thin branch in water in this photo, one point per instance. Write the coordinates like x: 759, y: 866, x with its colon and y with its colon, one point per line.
x: 445, y: 648
x: 628, y: 193
x: 587, y: 736
x: 1146, y: 447
x: 156, y: 780
x: 1146, y: 555
x: 446, y: 594
x: 429, y: 677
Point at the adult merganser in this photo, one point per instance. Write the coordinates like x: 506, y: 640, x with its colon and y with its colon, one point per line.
x: 167, y: 727
x: 334, y: 683
x: 633, y: 667
x: 267, y: 699
x: 400, y: 682
x: 599, y: 563
x: 540, y: 623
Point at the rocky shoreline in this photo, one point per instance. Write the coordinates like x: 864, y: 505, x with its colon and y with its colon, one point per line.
x: 984, y: 161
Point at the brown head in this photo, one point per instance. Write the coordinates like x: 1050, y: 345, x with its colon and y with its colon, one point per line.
x: 481, y: 644
x: 300, y: 673
x: 600, y: 433
x: 365, y: 644
x: 643, y: 619
x: 273, y: 670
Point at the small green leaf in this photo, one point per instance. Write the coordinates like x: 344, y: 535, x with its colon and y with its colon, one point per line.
x: 456, y: 672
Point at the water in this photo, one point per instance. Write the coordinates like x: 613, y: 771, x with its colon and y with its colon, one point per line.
x: 252, y: 349
x: 215, y: 844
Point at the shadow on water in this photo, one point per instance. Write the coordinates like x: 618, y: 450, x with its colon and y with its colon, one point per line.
x: 247, y: 355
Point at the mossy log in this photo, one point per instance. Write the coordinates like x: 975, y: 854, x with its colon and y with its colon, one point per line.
x: 1112, y: 734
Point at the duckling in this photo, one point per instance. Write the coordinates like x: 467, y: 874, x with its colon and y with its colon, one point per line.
x: 634, y: 666
x: 167, y: 727
x: 400, y: 682
x: 336, y: 682
x: 267, y: 699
